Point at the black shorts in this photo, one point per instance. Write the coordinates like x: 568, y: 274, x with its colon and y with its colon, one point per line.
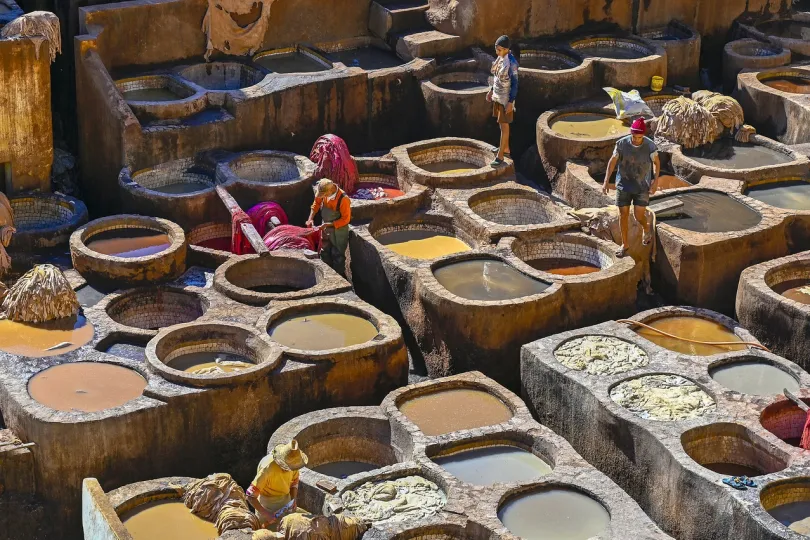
x: 638, y: 199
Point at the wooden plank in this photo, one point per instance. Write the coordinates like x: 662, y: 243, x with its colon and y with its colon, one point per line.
x: 665, y: 206
x: 248, y: 229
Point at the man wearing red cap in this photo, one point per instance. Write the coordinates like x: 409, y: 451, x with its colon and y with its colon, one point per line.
x: 638, y: 169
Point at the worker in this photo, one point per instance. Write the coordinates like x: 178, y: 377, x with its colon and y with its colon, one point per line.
x: 503, y: 94
x: 276, y: 482
x: 639, y: 167
x: 336, y: 213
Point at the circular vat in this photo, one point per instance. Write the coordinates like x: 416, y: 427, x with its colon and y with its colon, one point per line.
x: 487, y: 280
x: 370, y: 57
x: 728, y: 154
x: 209, y: 244
x: 689, y: 327
x: 292, y: 61
x: 753, y: 48
x: 708, y: 212
x: 788, y: 193
x: 588, y: 125
x: 792, y: 281
x: 267, y: 168
x: 612, y: 47
x: 730, y: 450
x: 663, y: 397
x: 492, y: 462
x: 515, y: 207
x: 785, y: 420
x: 395, y: 505
x: 554, y: 511
x: 211, y: 353
x: 423, y: 241
x: 181, y: 177
x: 753, y: 376
x: 156, y: 307
x: 790, y: 81
x: 671, y: 32
x: 40, y: 340
x: 258, y: 280
x: 437, y: 411
x: 323, y: 326
x: 468, y: 82
x: 222, y: 75
x: 564, y: 258
x: 788, y: 502
x: 601, y: 355
x: 548, y: 60
x: 377, y: 187
x: 86, y: 386
x: 450, y: 159
x: 165, y: 518
x: 153, y: 88
x: 44, y: 220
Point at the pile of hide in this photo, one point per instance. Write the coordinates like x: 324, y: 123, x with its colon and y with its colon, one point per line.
x: 335, y: 162
x: 308, y: 527
x: 38, y: 26
x: 687, y: 123
x: 219, y: 499
x: 398, y: 500
x: 228, y: 36
x: 725, y: 109
x: 42, y: 294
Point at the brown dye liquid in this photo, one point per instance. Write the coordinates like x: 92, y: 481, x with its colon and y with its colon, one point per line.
x: 792, y: 290
x: 732, y: 469
x: 708, y: 212
x: 588, y: 126
x: 151, y: 94
x: 554, y: 514
x: 45, y: 339
x: 449, y: 167
x: 85, y: 386
x: 129, y: 243
x: 564, y: 267
x: 344, y: 469
x: 421, y: 244
x: 691, y: 328
x: 181, y: 187
x: 453, y: 410
x: 487, y: 280
x: 323, y: 331
x: 792, y: 195
x: 167, y: 520
x: 793, y: 85
x: 193, y: 362
x: 795, y: 516
x: 754, y: 378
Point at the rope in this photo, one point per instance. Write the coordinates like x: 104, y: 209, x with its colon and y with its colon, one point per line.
x: 748, y: 343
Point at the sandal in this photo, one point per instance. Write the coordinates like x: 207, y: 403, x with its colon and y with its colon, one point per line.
x: 739, y: 482
x: 496, y: 162
x: 621, y: 252
x: 646, y: 238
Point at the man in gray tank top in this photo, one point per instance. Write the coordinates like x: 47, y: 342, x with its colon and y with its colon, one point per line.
x: 638, y: 169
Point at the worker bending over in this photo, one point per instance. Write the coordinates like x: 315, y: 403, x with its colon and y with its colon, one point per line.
x: 276, y: 483
x: 336, y: 212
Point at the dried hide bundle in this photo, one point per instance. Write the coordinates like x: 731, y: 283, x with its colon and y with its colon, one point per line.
x: 42, y: 294
x: 38, y: 26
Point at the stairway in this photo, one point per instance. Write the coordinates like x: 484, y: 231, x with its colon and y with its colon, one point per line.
x: 402, y: 25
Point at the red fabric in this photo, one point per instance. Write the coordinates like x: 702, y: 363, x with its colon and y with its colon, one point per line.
x: 292, y: 237
x: 390, y: 192
x: 239, y: 242
x: 334, y: 162
x: 638, y: 126
x: 805, y: 442
x: 262, y: 213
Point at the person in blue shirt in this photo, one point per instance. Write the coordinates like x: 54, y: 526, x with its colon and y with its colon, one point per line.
x: 502, y: 94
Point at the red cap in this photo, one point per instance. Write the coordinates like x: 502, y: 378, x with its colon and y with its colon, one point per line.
x: 638, y: 126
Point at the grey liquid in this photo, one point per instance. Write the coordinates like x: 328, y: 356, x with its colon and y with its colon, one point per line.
x: 754, y: 378
x: 555, y: 514
x: 789, y: 195
x: 486, y: 466
x: 344, y: 469
x: 728, y: 154
x: 708, y: 212
x: 488, y: 280
x: 293, y: 62
x: 191, y: 361
x: 151, y: 94
x: 368, y: 58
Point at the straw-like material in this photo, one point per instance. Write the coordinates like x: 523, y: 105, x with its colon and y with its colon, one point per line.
x: 42, y: 294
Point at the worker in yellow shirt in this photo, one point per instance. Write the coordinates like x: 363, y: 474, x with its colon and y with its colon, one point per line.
x: 276, y: 482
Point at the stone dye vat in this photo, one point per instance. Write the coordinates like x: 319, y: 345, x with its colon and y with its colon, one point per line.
x: 790, y: 32
x: 682, y: 44
x: 589, y: 126
x: 488, y: 280
x: 750, y: 54
x: 370, y: 57
x: 788, y: 503
x: 192, y: 319
x: 153, y: 88
x: 153, y: 98
x: 256, y: 280
x: 552, y: 76
x: 456, y: 105
x: 167, y: 519
x: 679, y: 413
x: 381, y: 173
x: 491, y: 464
x: 334, y: 330
x: 564, y: 513
x: 454, y: 409
x: 38, y: 340
x: 44, y: 220
x: 422, y: 244
x: 209, y: 244
x: 222, y: 76
x: 774, y: 100
x: 624, y: 62
x: 788, y: 194
x: 129, y: 249
x: 292, y: 61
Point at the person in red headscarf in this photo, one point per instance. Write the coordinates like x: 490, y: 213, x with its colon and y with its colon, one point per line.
x: 636, y: 158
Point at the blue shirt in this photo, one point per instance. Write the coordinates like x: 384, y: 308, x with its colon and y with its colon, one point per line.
x: 634, y: 174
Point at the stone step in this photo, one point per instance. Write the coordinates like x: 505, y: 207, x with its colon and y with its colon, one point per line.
x: 426, y: 44
x: 393, y: 17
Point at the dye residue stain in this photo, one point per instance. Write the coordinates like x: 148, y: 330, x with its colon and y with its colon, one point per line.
x: 38, y: 340
x: 487, y: 280
x: 344, y: 469
x: 420, y: 244
x: 793, y: 195
x: 795, y: 516
x: 554, y: 514
x: 210, y: 363
x: 150, y: 94
x: 167, y: 520
x: 791, y: 85
x: 453, y: 410
x: 694, y: 328
x: 588, y: 126
x: 129, y: 242
x: 797, y: 290
x: 491, y: 464
x: 85, y: 386
x: 323, y: 331
x: 754, y: 378
x: 564, y: 267
x: 450, y: 167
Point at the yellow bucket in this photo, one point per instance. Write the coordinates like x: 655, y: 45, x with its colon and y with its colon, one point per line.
x: 657, y: 83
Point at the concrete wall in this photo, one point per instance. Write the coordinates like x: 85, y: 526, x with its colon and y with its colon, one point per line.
x: 26, y: 137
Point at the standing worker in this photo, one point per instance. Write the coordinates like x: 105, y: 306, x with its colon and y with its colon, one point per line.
x: 336, y: 212
x: 638, y: 164
x: 503, y: 93
x: 276, y: 482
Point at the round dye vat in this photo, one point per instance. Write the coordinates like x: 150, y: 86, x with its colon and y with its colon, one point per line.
x: 421, y: 244
x: 492, y: 464
x: 616, y: 53
x: 449, y: 167
x: 38, y: 340
x: 554, y: 514
x: 129, y: 242
x: 547, y: 60
x: 792, y: 85
x: 588, y: 126
x: 369, y: 58
x: 730, y: 154
x: 694, y: 328
x: 754, y: 378
x: 797, y: 290
x: 792, y: 195
x: 167, y: 520
x: 601, y: 355
x: 207, y: 363
x: 454, y: 410
x: 151, y: 94
x: 290, y: 62
x: 344, y: 469
x: 85, y: 386
x: 708, y: 212
x: 323, y: 331
x: 564, y: 267
x: 795, y: 516
x: 662, y: 397
x: 487, y: 280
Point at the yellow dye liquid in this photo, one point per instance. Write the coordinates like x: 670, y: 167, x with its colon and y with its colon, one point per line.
x: 589, y: 126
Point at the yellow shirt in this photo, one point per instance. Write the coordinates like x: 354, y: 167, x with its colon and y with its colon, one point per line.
x: 273, y: 481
